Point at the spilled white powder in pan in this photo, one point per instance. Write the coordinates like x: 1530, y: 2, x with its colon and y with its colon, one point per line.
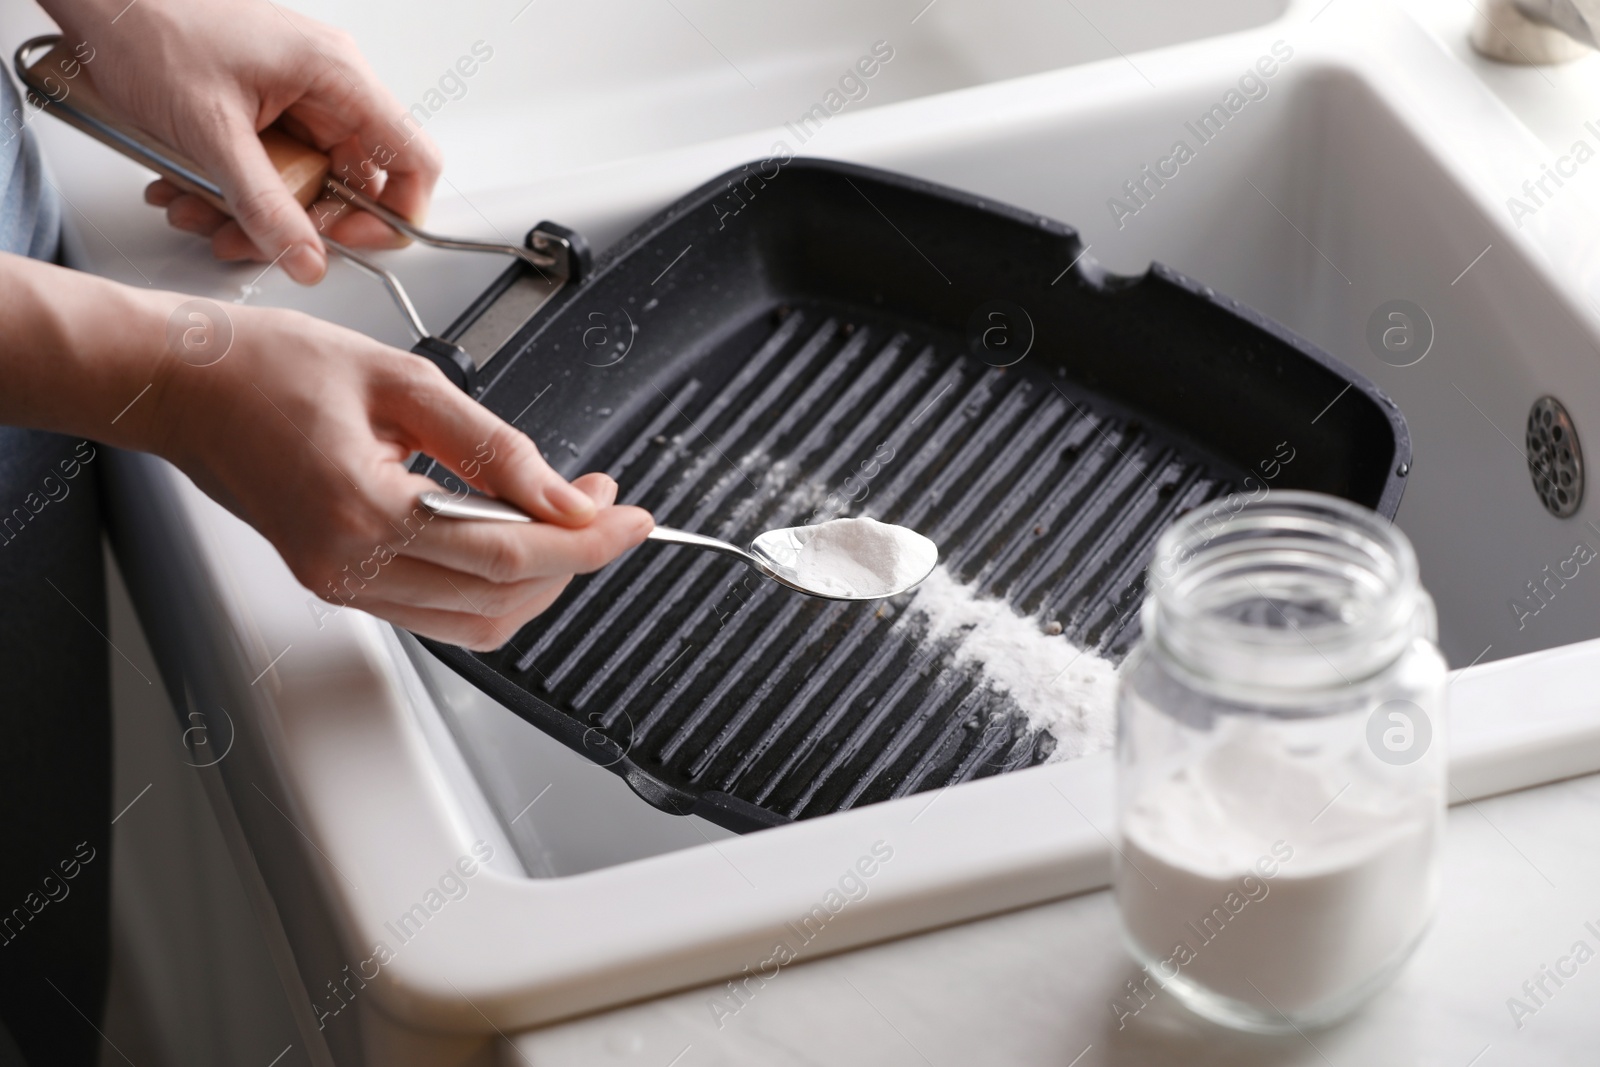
x: 1070, y: 692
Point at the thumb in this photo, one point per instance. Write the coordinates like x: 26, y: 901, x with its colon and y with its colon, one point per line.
x: 261, y: 203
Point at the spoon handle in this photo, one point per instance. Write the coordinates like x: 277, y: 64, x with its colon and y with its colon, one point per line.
x: 489, y: 509
x: 473, y: 507
x: 667, y: 535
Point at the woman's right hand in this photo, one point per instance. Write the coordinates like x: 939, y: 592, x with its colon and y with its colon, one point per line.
x: 303, y: 428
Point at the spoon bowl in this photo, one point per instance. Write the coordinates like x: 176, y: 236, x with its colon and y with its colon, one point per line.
x: 780, y: 555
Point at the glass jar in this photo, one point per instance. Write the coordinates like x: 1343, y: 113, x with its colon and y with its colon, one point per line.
x: 1281, y: 763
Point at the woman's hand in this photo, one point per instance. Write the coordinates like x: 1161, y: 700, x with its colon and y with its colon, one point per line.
x: 206, y: 76
x: 303, y: 429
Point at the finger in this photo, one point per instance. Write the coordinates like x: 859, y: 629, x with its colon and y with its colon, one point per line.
x: 357, y: 167
x: 411, y: 163
x: 273, y: 220
x: 474, y: 630
x: 412, y: 177
x: 601, y: 488
x: 230, y: 243
x: 421, y: 584
x: 193, y: 215
x: 161, y: 192
x: 350, y: 225
x: 514, y: 552
x: 358, y: 229
x: 431, y: 415
x: 370, y: 134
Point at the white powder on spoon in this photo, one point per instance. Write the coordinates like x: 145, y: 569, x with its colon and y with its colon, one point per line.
x: 861, y: 558
x: 1069, y: 691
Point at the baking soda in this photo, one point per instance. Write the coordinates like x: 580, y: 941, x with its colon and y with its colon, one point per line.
x: 1068, y: 691
x: 1273, y: 880
x: 862, y: 558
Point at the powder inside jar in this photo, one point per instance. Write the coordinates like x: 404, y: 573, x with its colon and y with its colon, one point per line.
x: 1277, y: 878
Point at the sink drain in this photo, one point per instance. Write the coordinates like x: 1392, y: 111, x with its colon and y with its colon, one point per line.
x: 1554, y: 458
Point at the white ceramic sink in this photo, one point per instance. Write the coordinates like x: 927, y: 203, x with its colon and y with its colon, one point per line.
x: 1318, y: 204
x: 573, y: 85
x: 1373, y: 169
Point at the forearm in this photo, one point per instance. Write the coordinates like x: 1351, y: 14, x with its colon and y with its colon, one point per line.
x: 82, y: 355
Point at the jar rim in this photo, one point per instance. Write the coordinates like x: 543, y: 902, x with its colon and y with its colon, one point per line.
x: 1298, y: 590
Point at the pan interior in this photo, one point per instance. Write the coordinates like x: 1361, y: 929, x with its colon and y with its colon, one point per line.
x: 699, y: 668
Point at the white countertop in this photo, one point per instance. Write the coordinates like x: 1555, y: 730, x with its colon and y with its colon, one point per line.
x: 1037, y: 986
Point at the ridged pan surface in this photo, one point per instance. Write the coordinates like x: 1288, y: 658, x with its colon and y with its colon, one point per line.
x: 759, y: 390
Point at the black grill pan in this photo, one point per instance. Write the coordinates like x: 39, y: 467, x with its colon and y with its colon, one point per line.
x: 797, y: 340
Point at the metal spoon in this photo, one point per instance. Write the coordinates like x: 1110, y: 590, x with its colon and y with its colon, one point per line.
x: 772, y: 553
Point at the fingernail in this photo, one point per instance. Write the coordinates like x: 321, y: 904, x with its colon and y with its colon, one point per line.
x: 305, y: 263
x: 570, y: 501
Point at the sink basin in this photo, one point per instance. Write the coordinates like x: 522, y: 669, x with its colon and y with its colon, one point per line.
x: 1338, y: 161
x: 1316, y: 203
x: 623, y: 78
x: 1323, y: 209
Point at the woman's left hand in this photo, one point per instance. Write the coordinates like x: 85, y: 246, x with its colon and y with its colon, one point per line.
x: 206, y: 76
